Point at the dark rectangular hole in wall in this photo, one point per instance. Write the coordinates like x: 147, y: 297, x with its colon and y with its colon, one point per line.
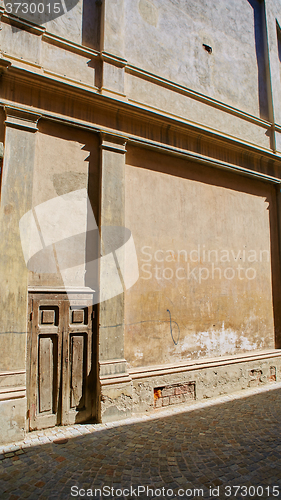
x: 278, y: 29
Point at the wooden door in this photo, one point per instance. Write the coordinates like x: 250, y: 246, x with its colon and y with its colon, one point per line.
x: 77, y: 374
x: 61, y: 374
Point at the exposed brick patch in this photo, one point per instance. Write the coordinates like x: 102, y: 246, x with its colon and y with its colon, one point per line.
x: 272, y: 374
x: 165, y: 401
x: 255, y: 378
x: 173, y: 394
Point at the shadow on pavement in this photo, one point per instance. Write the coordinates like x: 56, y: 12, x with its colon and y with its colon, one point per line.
x: 198, y: 454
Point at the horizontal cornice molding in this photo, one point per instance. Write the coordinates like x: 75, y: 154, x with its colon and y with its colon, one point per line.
x: 112, y: 59
x: 12, y: 384
x: 69, y: 45
x: 123, y: 378
x: 156, y: 371
x: 71, y: 289
x: 9, y: 393
x: 145, y: 75
x: 21, y: 23
x: 160, y: 147
x: 137, y: 111
x: 12, y: 372
x: 211, y: 162
x: 90, y: 94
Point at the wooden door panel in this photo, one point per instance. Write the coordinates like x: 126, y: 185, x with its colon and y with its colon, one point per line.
x: 61, y: 386
x: 77, y: 375
x: 46, y: 374
x: 45, y: 363
x: 77, y: 348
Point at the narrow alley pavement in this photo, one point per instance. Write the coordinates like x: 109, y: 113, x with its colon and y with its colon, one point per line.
x: 228, y: 447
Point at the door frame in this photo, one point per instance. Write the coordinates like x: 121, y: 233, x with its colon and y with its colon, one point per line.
x: 63, y: 330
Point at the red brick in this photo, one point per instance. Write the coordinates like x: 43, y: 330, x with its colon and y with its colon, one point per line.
x: 166, y: 401
x: 189, y: 396
x: 176, y: 399
x: 158, y: 403
x: 168, y: 391
x: 178, y: 390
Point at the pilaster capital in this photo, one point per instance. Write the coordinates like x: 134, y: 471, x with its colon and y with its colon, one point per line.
x: 113, y: 142
x: 21, y: 119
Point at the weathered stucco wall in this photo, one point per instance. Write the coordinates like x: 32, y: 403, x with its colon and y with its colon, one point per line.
x: 209, y: 286
x: 189, y: 303
x: 202, y: 381
x: 68, y: 25
x: 66, y: 161
x: 16, y: 189
x: 166, y: 37
x: 79, y: 22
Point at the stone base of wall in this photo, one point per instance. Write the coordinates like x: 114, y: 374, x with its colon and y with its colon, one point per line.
x: 152, y: 388
x: 156, y: 387
x: 116, y: 398
x: 12, y: 420
x: 12, y: 406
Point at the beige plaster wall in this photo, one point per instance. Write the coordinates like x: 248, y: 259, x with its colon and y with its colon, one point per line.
x: 79, y: 24
x: 189, y: 303
x: 166, y: 37
x: 16, y: 182
x: 27, y: 49
x: 66, y: 160
x: 69, y: 25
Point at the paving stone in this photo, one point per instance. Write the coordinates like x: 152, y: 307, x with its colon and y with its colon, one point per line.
x: 227, y: 443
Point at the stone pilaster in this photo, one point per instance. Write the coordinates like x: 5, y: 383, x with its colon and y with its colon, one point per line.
x: 116, y: 385
x: 271, y: 16
x: 112, y: 48
x: 16, y: 200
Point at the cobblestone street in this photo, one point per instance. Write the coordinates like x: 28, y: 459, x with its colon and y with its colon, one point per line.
x: 205, y: 450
